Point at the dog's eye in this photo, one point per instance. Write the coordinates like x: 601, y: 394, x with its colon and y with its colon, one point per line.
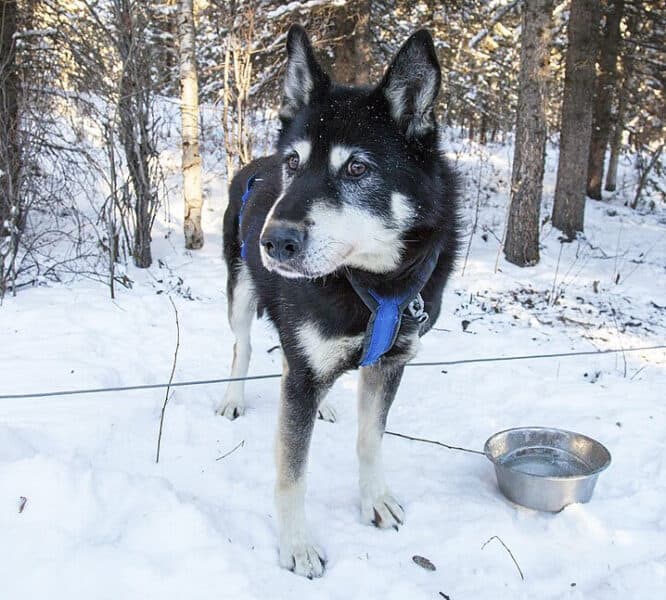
x: 293, y: 161
x: 355, y: 168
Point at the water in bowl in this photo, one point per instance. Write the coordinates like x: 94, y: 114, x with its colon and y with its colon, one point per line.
x: 545, y: 462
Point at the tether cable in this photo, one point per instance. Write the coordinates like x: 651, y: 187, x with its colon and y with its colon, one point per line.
x: 445, y: 363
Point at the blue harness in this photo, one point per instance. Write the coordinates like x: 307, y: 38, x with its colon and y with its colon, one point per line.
x: 244, y: 197
x: 386, y: 311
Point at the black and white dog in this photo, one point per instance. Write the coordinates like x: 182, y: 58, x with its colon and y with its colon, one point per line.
x: 345, y: 237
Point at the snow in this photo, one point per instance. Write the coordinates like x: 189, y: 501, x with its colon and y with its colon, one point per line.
x: 301, y: 6
x: 102, y: 520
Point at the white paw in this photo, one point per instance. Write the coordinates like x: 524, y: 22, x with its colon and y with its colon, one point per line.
x: 231, y: 409
x: 303, y: 559
x: 382, y: 511
x: 325, y: 412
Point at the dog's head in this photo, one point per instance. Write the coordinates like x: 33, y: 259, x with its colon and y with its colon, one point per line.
x: 354, y: 161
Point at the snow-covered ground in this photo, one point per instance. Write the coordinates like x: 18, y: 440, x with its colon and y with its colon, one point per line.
x: 101, y: 520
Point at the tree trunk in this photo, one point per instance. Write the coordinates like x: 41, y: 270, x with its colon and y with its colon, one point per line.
x: 189, y: 109
x: 615, y: 148
x: 352, y: 54
x: 10, y: 162
x: 522, y: 239
x: 483, y: 132
x: 618, y: 129
x: 363, y: 44
x: 136, y: 127
x: 607, y: 84
x: 644, y: 176
x: 576, y: 121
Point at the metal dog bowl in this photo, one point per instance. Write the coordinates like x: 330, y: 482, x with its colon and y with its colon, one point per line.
x: 544, y: 468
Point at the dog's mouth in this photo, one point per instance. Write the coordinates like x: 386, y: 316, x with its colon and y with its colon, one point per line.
x: 292, y: 271
x: 302, y: 267
x: 285, y: 270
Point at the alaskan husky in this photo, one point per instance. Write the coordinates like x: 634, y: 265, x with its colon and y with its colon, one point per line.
x: 345, y: 238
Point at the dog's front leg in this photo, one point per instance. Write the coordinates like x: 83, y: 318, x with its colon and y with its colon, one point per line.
x: 298, y: 412
x: 377, y: 388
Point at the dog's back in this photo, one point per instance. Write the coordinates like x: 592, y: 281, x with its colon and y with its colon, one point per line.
x: 268, y: 165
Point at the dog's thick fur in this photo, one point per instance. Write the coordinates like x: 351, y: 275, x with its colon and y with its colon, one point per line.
x: 358, y: 185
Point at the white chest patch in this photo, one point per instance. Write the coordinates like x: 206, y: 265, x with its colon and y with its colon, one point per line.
x: 325, y: 354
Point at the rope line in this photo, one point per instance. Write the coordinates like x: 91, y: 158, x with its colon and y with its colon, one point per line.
x: 464, y: 361
x: 437, y: 443
x: 467, y: 361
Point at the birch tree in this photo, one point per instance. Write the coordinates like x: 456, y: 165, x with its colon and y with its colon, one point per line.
x: 522, y: 239
x: 189, y: 109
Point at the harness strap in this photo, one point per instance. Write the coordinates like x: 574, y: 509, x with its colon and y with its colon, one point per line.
x: 387, y: 311
x: 244, y: 197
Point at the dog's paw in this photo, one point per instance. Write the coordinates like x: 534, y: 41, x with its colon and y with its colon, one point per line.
x: 326, y: 412
x: 231, y: 409
x: 383, y: 511
x: 303, y: 559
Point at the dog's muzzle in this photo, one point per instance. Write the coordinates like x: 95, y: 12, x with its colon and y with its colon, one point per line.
x: 283, y: 243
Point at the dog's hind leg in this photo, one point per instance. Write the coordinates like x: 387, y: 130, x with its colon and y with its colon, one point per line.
x: 298, y: 412
x: 377, y: 388
x: 242, y: 307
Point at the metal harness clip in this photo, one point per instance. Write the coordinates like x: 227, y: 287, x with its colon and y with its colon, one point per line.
x: 417, y: 309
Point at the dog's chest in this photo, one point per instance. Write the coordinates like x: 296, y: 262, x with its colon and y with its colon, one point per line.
x: 327, y: 355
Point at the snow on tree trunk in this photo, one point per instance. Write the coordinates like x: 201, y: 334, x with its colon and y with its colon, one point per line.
x: 606, y: 85
x: 576, y: 122
x: 522, y: 239
x: 189, y: 107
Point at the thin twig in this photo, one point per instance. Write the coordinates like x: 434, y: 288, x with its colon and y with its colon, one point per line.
x: 507, y: 211
x: 173, y: 370
x: 557, y: 268
x: 619, y: 337
x: 236, y: 447
x: 513, y: 558
x: 616, y: 273
x: 476, y: 214
x: 636, y: 373
x: 417, y: 439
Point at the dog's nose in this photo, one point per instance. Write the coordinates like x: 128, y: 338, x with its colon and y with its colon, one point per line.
x: 282, y: 243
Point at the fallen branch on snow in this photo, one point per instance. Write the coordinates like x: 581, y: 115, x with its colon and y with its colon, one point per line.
x: 513, y: 558
x: 236, y: 447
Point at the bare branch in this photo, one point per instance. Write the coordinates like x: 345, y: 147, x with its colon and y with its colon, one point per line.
x: 168, y: 389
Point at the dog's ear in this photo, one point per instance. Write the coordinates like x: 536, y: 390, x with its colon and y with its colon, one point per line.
x: 304, y: 77
x: 411, y: 85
